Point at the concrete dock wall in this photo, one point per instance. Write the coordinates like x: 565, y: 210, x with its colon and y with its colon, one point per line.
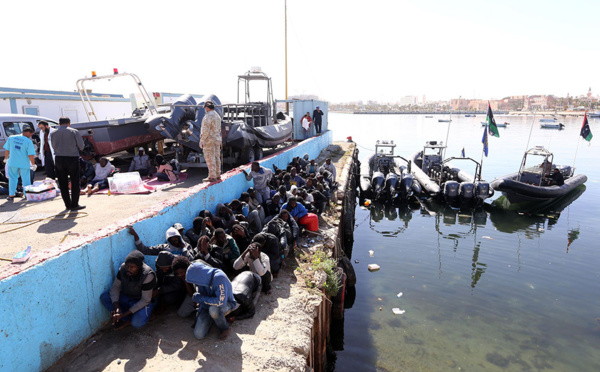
x: 51, y: 304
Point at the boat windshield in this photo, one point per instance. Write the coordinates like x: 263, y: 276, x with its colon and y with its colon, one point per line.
x: 536, y: 165
x: 385, y: 148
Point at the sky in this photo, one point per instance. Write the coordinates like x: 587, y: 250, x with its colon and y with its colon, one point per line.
x: 341, y: 51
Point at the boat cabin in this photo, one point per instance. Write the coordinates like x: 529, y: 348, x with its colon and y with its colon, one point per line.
x: 537, y: 164
x: 384, y: 159
x: 433, y: 155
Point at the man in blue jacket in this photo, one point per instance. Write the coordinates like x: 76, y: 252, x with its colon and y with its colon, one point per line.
x: 214, y: 296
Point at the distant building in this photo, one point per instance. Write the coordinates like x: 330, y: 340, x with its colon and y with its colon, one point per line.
x: 408, y: 100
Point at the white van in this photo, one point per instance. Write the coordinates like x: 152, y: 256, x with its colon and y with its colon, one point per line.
x: 11, y: 124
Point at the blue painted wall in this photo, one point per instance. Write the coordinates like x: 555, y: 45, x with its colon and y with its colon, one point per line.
x: 51, y: 308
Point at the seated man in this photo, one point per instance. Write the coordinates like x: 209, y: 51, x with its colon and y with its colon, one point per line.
x: 294, y: 231
x: 271, y: 246
x: 241, y: 236
x: 179, y: 266
x: 209, y: 253
x: 129, y: 298
x: 330, y: 168
x: 200, y: 227
x: 310, y: 221
x: 179, y: 227
x: 311, y: 168
x: 556, y: 178
x: 175, y: 244
x: 102, y: 170
x: 86, y: 172
x: 258, y: 263
x: 228, y: 248
x: 170, y: 289
x: 141, y: 163
x: 253, y: 217
x: 261, y: 177
x: 214, y: 297
x: 253, y: 204
x: 226, y: 215
x: 295, y: 179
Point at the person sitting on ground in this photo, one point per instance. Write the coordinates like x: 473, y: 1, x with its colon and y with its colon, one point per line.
x: 214, y: 297
x: 286, y: 181
x: 164, y: 170
x: 253, y: 204
x: 169, y: 289
x: 141, y: 163
x: 311, y: 168
x: 556, y: 178
x: 241, y: 236
x: 226, y: 215
x: 303, y: 162
x: 86, y: 172
x: 253, y: 217
x: 284, y: 195
x: 294, y: 231
x: 102, y: 169
x: 271, y: 245
x: 209, y: 253
x: 330, y: 168
x: 272, y: 207
x: 175, y: 244
x: 200, y: 227
x: 179, y: 267
x: 295, y: 179
x: 129, y: 298
x: 261, y: 177
x: 179, y: 227
x: 229, y: 249
x: 316, y: 199
x: 258, y: 263
x: 310, y: 221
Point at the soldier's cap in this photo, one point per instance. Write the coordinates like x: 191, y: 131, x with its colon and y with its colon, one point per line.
x: 209, y: 104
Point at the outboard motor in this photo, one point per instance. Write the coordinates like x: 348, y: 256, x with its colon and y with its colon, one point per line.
x: 482, y: 190
x: 169, y: 124
x: 378, y: 182
x: 466, y: 191
x: 405, y: 188
x: 391, y: 181
x: 451, y: 191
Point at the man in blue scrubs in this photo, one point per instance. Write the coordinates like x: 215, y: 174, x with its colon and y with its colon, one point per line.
x: 19, y: 156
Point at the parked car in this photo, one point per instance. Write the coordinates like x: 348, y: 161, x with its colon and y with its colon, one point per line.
x: 11, y: 124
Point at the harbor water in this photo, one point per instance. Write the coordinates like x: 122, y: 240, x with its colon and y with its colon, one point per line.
x: 494, y: 290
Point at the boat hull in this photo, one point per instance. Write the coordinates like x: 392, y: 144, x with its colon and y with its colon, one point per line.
x: 111, y: 136
x: 519, y: 192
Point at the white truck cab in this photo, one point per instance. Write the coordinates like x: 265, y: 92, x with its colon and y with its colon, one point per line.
x: 11, y: 124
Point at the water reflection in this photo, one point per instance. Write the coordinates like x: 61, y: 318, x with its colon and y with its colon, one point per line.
x: 535, y: 221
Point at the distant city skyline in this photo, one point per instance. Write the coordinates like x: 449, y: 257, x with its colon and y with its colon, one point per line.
x: 340, y: 51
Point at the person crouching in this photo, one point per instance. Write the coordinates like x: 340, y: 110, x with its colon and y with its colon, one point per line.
x: 214, y: 296
x: 129, y: 298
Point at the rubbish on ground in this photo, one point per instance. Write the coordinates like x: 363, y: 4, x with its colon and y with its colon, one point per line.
x: 367, y: 203
x: 379, y: 299
x: 373, y: 267
x: 381, y: 308
x: 487, y: 237
x: 399, y: 295
x: 311, y: 241
x: 356, y: 261
x: 305, y: 245
x: 397, y: 311
x: 371, y: 253
x: 22, y: 256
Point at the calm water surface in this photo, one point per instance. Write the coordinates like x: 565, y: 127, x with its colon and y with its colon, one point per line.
x: 497, y: 291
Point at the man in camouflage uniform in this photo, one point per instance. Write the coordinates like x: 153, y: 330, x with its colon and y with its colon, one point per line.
x: 210, y: 141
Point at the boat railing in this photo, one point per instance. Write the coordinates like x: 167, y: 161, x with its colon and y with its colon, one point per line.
x: 87, y: 102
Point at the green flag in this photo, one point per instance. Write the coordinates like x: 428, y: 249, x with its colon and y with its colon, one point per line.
x: 492, y: 127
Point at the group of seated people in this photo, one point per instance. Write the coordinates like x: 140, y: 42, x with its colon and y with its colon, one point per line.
x: 218, y: 268
x: 94, y: 177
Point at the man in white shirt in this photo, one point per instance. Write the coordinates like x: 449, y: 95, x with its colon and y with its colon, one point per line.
x: 258, y: 262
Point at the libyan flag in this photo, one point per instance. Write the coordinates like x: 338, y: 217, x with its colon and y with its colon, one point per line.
x: 586, y: 132
x: 492, y: 127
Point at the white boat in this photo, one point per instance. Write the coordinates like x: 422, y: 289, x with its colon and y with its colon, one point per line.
x: 444, y: 120
x: 551, y: 120
x: 499, y: 125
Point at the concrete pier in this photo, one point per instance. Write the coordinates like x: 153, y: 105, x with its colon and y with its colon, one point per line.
x: 50, y: 305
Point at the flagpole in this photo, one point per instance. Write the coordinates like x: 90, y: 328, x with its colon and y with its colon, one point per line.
x: 482, y: 153
x: 578, y: 141
x: 447, y: 134
x: 531, y: 130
